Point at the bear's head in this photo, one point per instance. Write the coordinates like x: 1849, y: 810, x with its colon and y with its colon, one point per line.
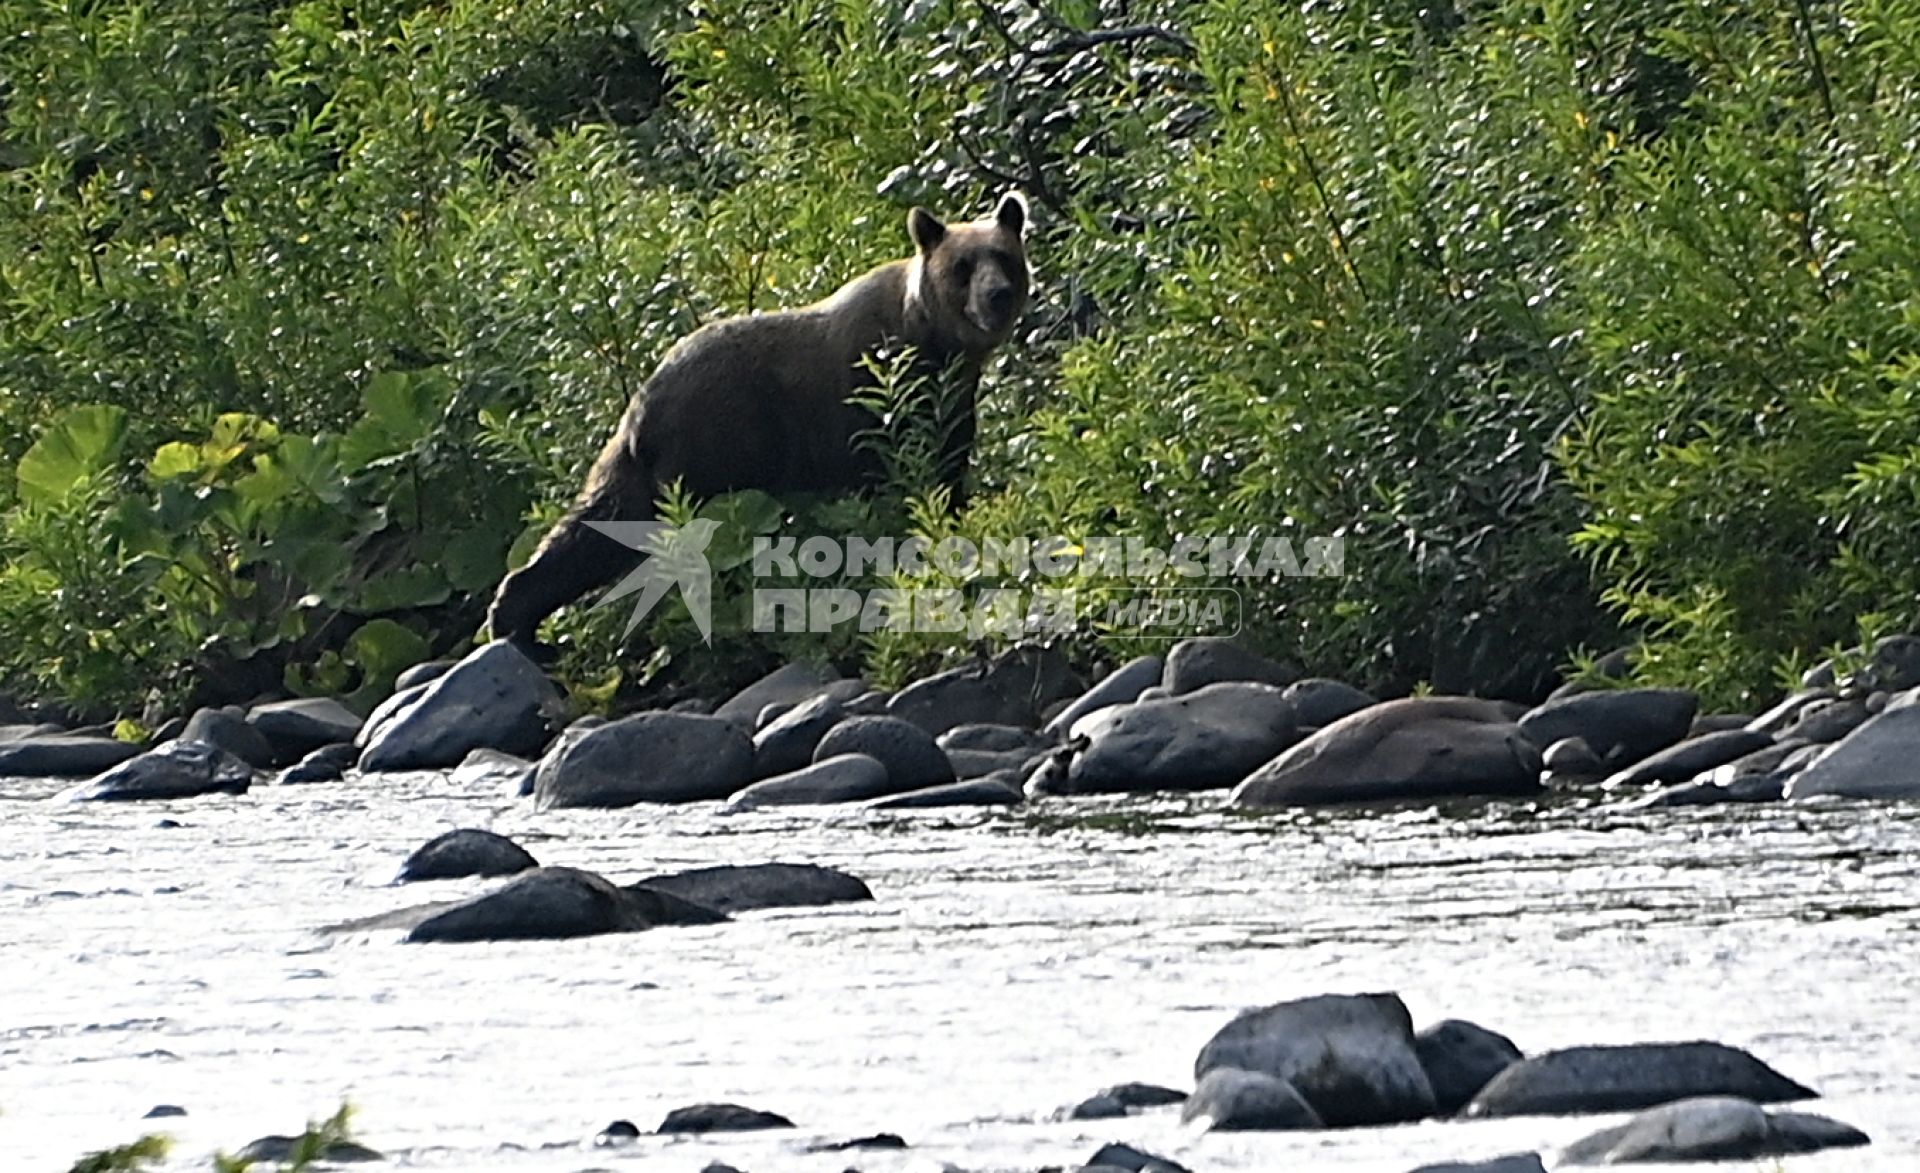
x: 971, y: 279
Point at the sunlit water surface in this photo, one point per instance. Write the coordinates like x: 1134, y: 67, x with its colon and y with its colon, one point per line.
x: 1012, y: 963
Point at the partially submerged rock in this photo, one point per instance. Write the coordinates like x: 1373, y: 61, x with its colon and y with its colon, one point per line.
x: 1416, y: 748
x: 1132, y: 1160
x: 1711, y: 1128
x: 1678, y: 763
x: 1207, y: 739
x: 553, y: 903
x: 1232, y: 1099
x: 648, y: 757
x: 1350, y: 1056
x: 1879, y: 760
x: 1001, y: 789
x: 228, y: 729
x: 1625, y: 1078
x: 701, y: 1118
x: 466, y: 852
x: 283, y: 1150
x: 1123, y: 1099
x: 1512, y: 1163
x: 847, y: 777
x: 496, y: 698
x: 743, y: 888
x: 1460, y: 1058
x: 178, y: 769
x: 327, y: 764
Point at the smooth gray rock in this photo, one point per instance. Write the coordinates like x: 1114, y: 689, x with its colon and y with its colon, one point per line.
x: 228, y: 729
x: 787, y: 743
x: 466, y: 852
x: 1514, y: 1163
x: 1460, y: 1058
x: 1121, y: 1156
x: 1582, y: 1080
x: 329, y: 763
x: 554, y: 903
x: 645, y: 758
x: 1718, y: 723
x: 1319, y: 702
x: 912, y: 759
x: 1710, y: 1128
x: 492, y: 770
x: 1416, y: 748
x: 1825, y: 722
x: 847, y: 777
x: 422, y: 673
x: 178, y: 769
x: 978, y: 763
x: 1001, y: 789
x: 1234, y: 1099
x: 790, y: 683
x: 994, y: 739
x: 744, y: 888
x: 1123, y: 1099
x: 294, y: 729
x: 1351, y: 1056
x: 1621, y: 725
x: 1010, y: 689
x: 1879, y: 760
x: 1122, y: 686
x: 1570, y: 757
x: 283, y: 1150
x: 1207, y: 739
x: 1678, y: 763
x: 496, y: 698
x: 701, y: 1118
x: 1203, y: 660
x: 1780, y: 716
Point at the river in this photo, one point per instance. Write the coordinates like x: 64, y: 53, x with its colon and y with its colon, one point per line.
x: 1013, y: 963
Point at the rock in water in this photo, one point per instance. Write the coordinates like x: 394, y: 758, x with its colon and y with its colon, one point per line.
x: 1351, y: 1057
x: 1231, y: 1099
x: 327, y: 764
x: 1121, y: 1156
x: 284, y: 1150
x: 847, y: 777
x: 228, y: 729
x: 720, y: 1118
x: 912, y: 759
x: 649, y: 757
x: 1195, y: 663
x: 61, y: 755
x: 1621, y: 725
x: 296, y: 728
x: 1122, y: 686
x: 1460, y: 1058
x: 1678, y: 763
x: 1880, y: 759
x: 1121, y: 1099
x: 767, y: 885
x: 553, y: 903
x: 993, y: 790
x: 1711, y: 1128
x: 1207, y: 739
x: 1513, y: 1163
x: 1625, y: 1078
x: 787, y: 743
x: 466, y: 852
x: 1010, y: 689
x: 178, y: 769
x: 496, y: 698
x: 1417, y: 748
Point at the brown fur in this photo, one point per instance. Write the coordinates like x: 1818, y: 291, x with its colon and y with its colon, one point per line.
x: 760, y: 402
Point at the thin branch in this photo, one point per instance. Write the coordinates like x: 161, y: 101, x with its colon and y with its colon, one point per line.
x: 1813, y: 58
x: 1097, y: 37
x: 1285, y: 89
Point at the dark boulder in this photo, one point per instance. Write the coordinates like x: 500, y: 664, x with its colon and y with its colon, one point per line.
x: 1010, y: 689
x: 1203, y: 660
x: 743, y: 888
x: 228, y: 729
x: 1207, y: 739
x: 329, y: 763
x: 1625, y: 1078
x: 1319, y: 702
x: 787, y: 743
x: 553, y: 903
x: 789, y: 684
x: 1879, y: 760
x: 1418, y: 748
x: 1121, y: 1156
x: 466, y: 852
x: 178, y: 769
x: 1678, y: 763
x: 847, y: 777
x: 1621, y: 726
x: 285, y: 1150
x: 994, y: 739
x: 496, y: 698
x: 1512, y: 1163
x: 1124, y: 1099
x: 1460, y: 1058
x: 909, y: 753
x: 701, y: 1118
x: 61, y: 755
x: 1825, y: 722
x: 1351, y: 1057
x: 295, y: 728
x: 645, y: 758
x: 422, y: 673
x: 1001, y: 789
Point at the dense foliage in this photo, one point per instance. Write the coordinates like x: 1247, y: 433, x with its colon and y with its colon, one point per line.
x: 1561, y: 316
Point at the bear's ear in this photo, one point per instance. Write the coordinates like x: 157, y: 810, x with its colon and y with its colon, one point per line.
x: 1012, y: 212
x: 926, y: 229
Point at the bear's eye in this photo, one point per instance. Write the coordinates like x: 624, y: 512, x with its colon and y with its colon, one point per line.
x: 963, y: 271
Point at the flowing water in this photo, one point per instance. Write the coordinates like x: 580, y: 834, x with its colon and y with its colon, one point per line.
x: 1012, y: 963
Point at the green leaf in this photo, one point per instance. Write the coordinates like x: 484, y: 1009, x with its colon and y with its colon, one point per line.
x: 404, y: 589
x: 401, y: 409
x: 383, y: 649
x: 82, y: 443
x: 177, y: 459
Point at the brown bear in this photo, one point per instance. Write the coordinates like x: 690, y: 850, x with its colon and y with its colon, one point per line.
x: 761, y: 401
